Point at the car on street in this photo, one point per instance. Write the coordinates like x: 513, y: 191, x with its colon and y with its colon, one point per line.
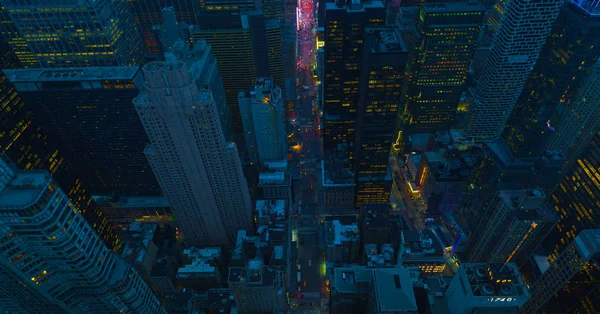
x: 309, y: 262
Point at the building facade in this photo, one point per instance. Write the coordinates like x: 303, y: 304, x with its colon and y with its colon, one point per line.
x: 71, y: 33
x: 382, y: 77
x: 445, y: 43
x: 202, y: 65
x: 66, y: 267
x: 576, y: 199
x: 567, y: 58
x: 246, y: 47
x: 516, y: 46
x: 32, y: 148
x: 199, y: 172
x: 580, y: 122
x: 514, y: 224
x: 263, y: 117
x: 89, y: 111
x: 569, y: 283
x: 344, y: 40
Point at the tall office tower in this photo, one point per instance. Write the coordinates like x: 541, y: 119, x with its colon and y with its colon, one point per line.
x: 576, y: 199
x: 289, y: 34
x: 445, y: 44
x: 203, y: 68
x: 566, y: 59
x: 383, y: 64
x: 66, y: 33
x: 263, y: 116
x: 171, y: 30
x: 246, y: 47
x: 89, y: 112
x: 199, y: 173
x: 59, y: 259
x: 273, y: 9
x: 524, y: 26
x: 30, y: 146
x: 344, y: 36
x: 514, y: 224
x: 148, y: 13
x: 581, y: 121
x: 570, y: 282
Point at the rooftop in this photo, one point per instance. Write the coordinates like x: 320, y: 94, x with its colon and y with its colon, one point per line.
x: 355, y: 6
x: 355, y: 279
x: 270, y: 208
x: 452, y: 7
x: 495, y: 279
x: 383, y: 257
x: 72, y: 74
x: 271, y: 178
x: 422, y: 245
x: 276, y: 165
x: 588, y: 243
x: 386, y: 40
x: 343, y: 233
x: 131, y: 201
x: 24, y: 189
x: 527, y: 204
x: 394, y: 290
x: 200, y: 262
x: 336, y: 172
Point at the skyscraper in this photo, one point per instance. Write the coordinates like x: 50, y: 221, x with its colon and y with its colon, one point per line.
x: 576, y: 199
x: 263, y: 116
x: 445, y: 43
x: 523, y: 28
x: 246, y: 47
x: 581, y: 121
x: 383, y: 64
x: 31, y: 148
x: 59, y: 260
x: 148, y: 13
x: 60, y: 33
x: 566, y: 59
x: 570, y: 282
x: 89, y: 112
x: 514, y: 224
x: 344, y: 37
x: 199, y: 173
x: 203, y: 68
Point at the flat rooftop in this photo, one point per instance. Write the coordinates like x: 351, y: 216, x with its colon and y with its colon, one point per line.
x: 386, y: 40
x: 271, y: 178
x: 270, y: 208
x: 452, y: 7
x: 343, y: 233
x: 494, y: 279
x: 72, y: 74
x: 527, y: 204
x: 24, y: 189
x: 394, y: 290
x: 355, y: 279
x: 337, y: 172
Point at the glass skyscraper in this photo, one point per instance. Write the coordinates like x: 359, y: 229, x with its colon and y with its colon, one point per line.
x: 63, y: 33
x: 567, y: 58
x: 90, y: 112
x: 445, y: 43
x: 344, y: 39
x: 31, y: 147
x: 523, y: 29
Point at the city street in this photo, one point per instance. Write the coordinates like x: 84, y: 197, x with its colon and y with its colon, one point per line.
x: 309, y: 257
